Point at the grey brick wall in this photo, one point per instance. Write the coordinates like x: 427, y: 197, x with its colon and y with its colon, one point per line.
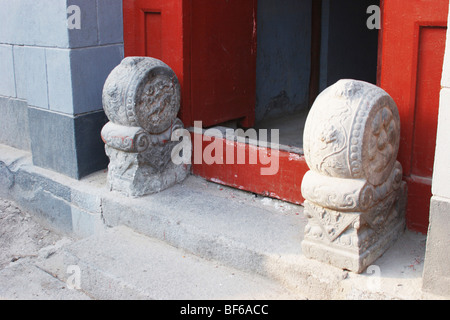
x: 57, y: 70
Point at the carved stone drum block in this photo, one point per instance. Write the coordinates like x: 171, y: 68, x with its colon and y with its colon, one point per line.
x: 141, y: 98
x: 354, y: 194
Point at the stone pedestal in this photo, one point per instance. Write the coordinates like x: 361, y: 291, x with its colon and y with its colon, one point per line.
x: 141, y: 98
x: 354, y: 194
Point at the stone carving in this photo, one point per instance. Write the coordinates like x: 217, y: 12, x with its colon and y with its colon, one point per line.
x: 141, y: 98
x: 354, y: 193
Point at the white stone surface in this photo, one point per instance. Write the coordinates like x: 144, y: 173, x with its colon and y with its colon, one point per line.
x: 7, y: 80
x: 36, y: 76
x: 354, y: 191
x: 437, y: 260
x: 141, y: 98
x: 441, y: 170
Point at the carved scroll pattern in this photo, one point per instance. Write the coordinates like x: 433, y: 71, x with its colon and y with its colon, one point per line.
x: 354, y: 191
x: 141, y: 98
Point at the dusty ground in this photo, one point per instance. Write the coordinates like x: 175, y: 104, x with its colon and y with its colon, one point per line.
x: 21, y: 236
x: 23, y: 240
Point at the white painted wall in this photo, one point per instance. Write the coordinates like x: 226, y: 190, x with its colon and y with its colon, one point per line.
x: 436, y: 275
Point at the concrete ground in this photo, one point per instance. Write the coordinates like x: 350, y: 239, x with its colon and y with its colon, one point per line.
x: 34, y: 265
x: 67, y: 239
x: 119, y: 264
x: 22, y: 241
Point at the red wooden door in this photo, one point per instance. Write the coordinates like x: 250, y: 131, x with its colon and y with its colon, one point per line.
x: 156, y: 28
x: 223, y: 61
x: 412, y: 44
x: 210, y: 45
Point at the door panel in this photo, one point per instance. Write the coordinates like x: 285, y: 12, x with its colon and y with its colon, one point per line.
x: 412, y: 41
x: 159, y: 29
x: 223, y: 60
x: 153, y: 32
x: 429, y: 72
x: 211, y: 47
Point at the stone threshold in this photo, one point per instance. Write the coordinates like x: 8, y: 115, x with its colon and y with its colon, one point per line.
x: 235, y: 228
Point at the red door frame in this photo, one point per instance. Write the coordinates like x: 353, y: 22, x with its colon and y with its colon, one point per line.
x: 400, y: 73
x: 396, y: 74
x: 170, y: 21
x: 284, y: 184
x: 223, y: 55
x: 184, y: 35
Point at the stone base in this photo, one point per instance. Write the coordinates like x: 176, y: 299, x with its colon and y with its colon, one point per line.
x: 353, y: 261
x: 70, y: 145
x: 436, y: 274
x: 131, y: 175
x: 354, y: 240
x: 14, y: 129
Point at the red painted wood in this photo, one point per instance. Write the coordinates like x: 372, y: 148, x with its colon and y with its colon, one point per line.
x: 284, y: 185
x: 419, y: 195
x: 210, y: 45
x: 160, y: 28
x: 429, y: 72
x: 223, y: 60
x: 412, y: 43
x: 153, y: 33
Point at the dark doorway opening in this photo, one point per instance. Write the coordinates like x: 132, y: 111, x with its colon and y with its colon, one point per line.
x: 302, y: 48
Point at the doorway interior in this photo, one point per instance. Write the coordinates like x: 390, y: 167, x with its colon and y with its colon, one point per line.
x: 254, y: 64
x: 302, y: 48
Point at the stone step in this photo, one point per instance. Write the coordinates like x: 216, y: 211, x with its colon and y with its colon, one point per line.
x: 25, y: 281
x: 261, y: 236
x: 122, y: 264
x: 251, y: 233
x: 235, y: 228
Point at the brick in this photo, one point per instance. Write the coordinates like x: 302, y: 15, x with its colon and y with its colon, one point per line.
x: 20, y: 71
x: 49, y: 23
x: 14, y: 130
x: 13, y: 22
x: 52, y: 141
x: 7, y: 80
x: 76, y: 77
x: 87, y: 35
x: 90, y: 68
x: 34, y: 23
x: 36, y: 78
x: 110, y: 21
x: 59, y: 80
x: 69, y: 145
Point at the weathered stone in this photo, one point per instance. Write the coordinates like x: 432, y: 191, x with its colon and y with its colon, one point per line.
x: 142, y: 92
x: 355, y: 196
x: 141, y: 98
x: 436, y: 277
x: 79, y: 150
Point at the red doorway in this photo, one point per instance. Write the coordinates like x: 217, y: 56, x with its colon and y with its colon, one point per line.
x: 215, y: 61
x: 412, y: 53
x: 214, y: 38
